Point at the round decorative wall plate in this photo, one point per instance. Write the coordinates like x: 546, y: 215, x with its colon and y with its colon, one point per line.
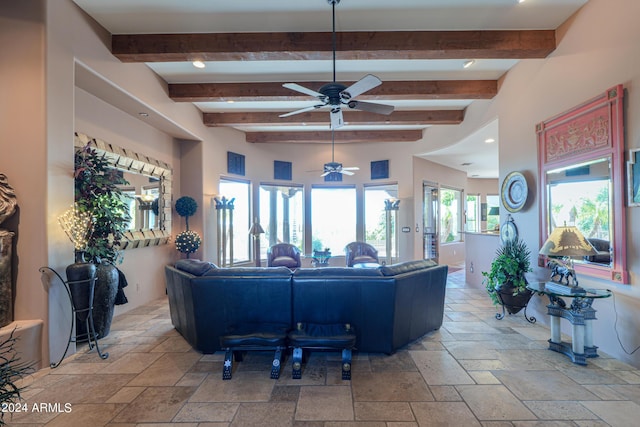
x: 514, y: 191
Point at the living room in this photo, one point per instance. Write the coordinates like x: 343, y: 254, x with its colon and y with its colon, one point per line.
x: 59, y: 52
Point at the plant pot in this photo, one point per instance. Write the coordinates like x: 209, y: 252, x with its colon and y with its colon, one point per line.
x: 513, y: 303
x: 104, y: 299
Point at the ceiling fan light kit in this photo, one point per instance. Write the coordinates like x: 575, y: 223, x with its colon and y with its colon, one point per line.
x: 333, y: 96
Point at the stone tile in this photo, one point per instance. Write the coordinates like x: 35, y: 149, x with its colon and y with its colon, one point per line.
x: 559, y: 410
x: 92, y: 414
x: 200, y: 412
x: 616, y: 414
x: 155, y: 404
x: 400, y: 361
x: 275, y: 414
x: 472, y: 350
x: 469, y: 328
x: 390, y: 387
x: 285, y: 394
x: 453, y: 414
x: 329, y: 403
x: 131, y: 363
x: 439, y: 368
x: 445, y: 393
x: 249, y: 386
x: 172, y: 344
x: 383, y: 411
x: 77, y: 389
x: 191, y: 379
x: 126, y: 395
x: 166, y: 371
x: 494, y: 403
x: 484, y: 377
x: 543, y: 385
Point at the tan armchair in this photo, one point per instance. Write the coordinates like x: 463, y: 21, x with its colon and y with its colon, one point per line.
x: 283, y: 254
x: 359, y: 253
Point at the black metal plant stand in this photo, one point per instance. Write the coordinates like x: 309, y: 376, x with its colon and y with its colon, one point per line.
x: 514, y: 304
x: 80, y: 294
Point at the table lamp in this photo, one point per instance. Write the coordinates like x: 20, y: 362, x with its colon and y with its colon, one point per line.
x: 566, y: 242
x: 256, y: 230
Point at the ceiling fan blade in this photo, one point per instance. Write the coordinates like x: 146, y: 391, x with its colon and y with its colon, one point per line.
x: 361, y: 86
x: 325, y: 173
x: 302, y: 110
x: 302, y: 89
x: 336, y: 118
x: 371, y: 107
x: 351, y: 168
x: 346, y: 172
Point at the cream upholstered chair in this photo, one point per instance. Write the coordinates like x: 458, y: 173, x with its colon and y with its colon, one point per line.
x: 283, y: 254
x: 360, y: 253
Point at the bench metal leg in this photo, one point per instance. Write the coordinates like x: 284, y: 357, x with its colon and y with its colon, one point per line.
x: 346, y: 364
x: 275, y: 366
x: 228, y: 364
x: 297, y: 363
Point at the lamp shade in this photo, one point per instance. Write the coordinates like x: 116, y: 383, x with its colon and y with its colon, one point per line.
x: 567, y: 241
x: 494, y: 211
x: 256, y: 229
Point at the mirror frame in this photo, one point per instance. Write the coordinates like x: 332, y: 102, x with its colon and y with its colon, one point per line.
x: 590, y: 131
x: 130, y: 161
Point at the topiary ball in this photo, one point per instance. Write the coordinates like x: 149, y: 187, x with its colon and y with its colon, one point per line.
x: 186, y: 206
x: 188, y: 242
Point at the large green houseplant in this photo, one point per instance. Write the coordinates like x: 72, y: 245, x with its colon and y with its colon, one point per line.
x: 98, y: 192
x: 506, y: 278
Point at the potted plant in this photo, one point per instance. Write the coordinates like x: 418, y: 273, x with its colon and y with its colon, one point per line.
x: 506, y: 283
x: 12, y: 370
x: 98, y: 192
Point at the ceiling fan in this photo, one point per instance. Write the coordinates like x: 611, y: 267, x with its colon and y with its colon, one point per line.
x: 334, y: 95
x: 335, y: 167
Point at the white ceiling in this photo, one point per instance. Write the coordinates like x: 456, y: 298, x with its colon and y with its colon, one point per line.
x: 218, y: 16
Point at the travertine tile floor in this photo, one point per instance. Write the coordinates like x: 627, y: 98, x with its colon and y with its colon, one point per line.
x: 474, y: 371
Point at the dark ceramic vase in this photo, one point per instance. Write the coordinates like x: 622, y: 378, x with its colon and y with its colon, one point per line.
x: 80, y: 281
x: 103, y: 300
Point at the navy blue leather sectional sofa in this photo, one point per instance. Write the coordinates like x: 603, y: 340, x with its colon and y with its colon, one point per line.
x: 388, y: 306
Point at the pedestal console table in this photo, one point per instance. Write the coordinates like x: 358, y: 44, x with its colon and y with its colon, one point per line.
x: 579, y: 313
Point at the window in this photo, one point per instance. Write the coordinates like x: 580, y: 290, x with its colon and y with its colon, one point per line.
x: 281, y: 215
x: 450, y: 215
x: 333, y: 218
x: 472, y: 210
x: 375, y: 218
x: 493, y: 220
x: 240, y: 191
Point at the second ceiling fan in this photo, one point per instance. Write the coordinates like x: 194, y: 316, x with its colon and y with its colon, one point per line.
x: 334, y: 95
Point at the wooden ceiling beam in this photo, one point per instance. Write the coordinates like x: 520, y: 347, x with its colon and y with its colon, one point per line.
x: 340, y: 136
x: 496, y: 44
x: 426, y: 117
x: 389, y: 90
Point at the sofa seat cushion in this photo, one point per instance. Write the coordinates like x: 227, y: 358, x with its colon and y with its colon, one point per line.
x: 194, y: 266
x: 284, y: 261
x: 252, y: 335
x: 314, y: 335
x: 364, y: 259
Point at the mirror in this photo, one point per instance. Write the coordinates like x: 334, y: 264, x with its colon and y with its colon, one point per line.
x: 149, y: 192
x: 582, y: 183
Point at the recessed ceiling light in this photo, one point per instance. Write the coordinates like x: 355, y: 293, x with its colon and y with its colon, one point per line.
x: 198, y: 64
x: 230, y: 101
x: 521, y: 1
x: 489, y: 141
x: 469, y: 63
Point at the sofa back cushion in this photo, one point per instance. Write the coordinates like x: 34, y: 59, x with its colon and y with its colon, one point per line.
x: 406, y: 267
x: 194, y: 266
